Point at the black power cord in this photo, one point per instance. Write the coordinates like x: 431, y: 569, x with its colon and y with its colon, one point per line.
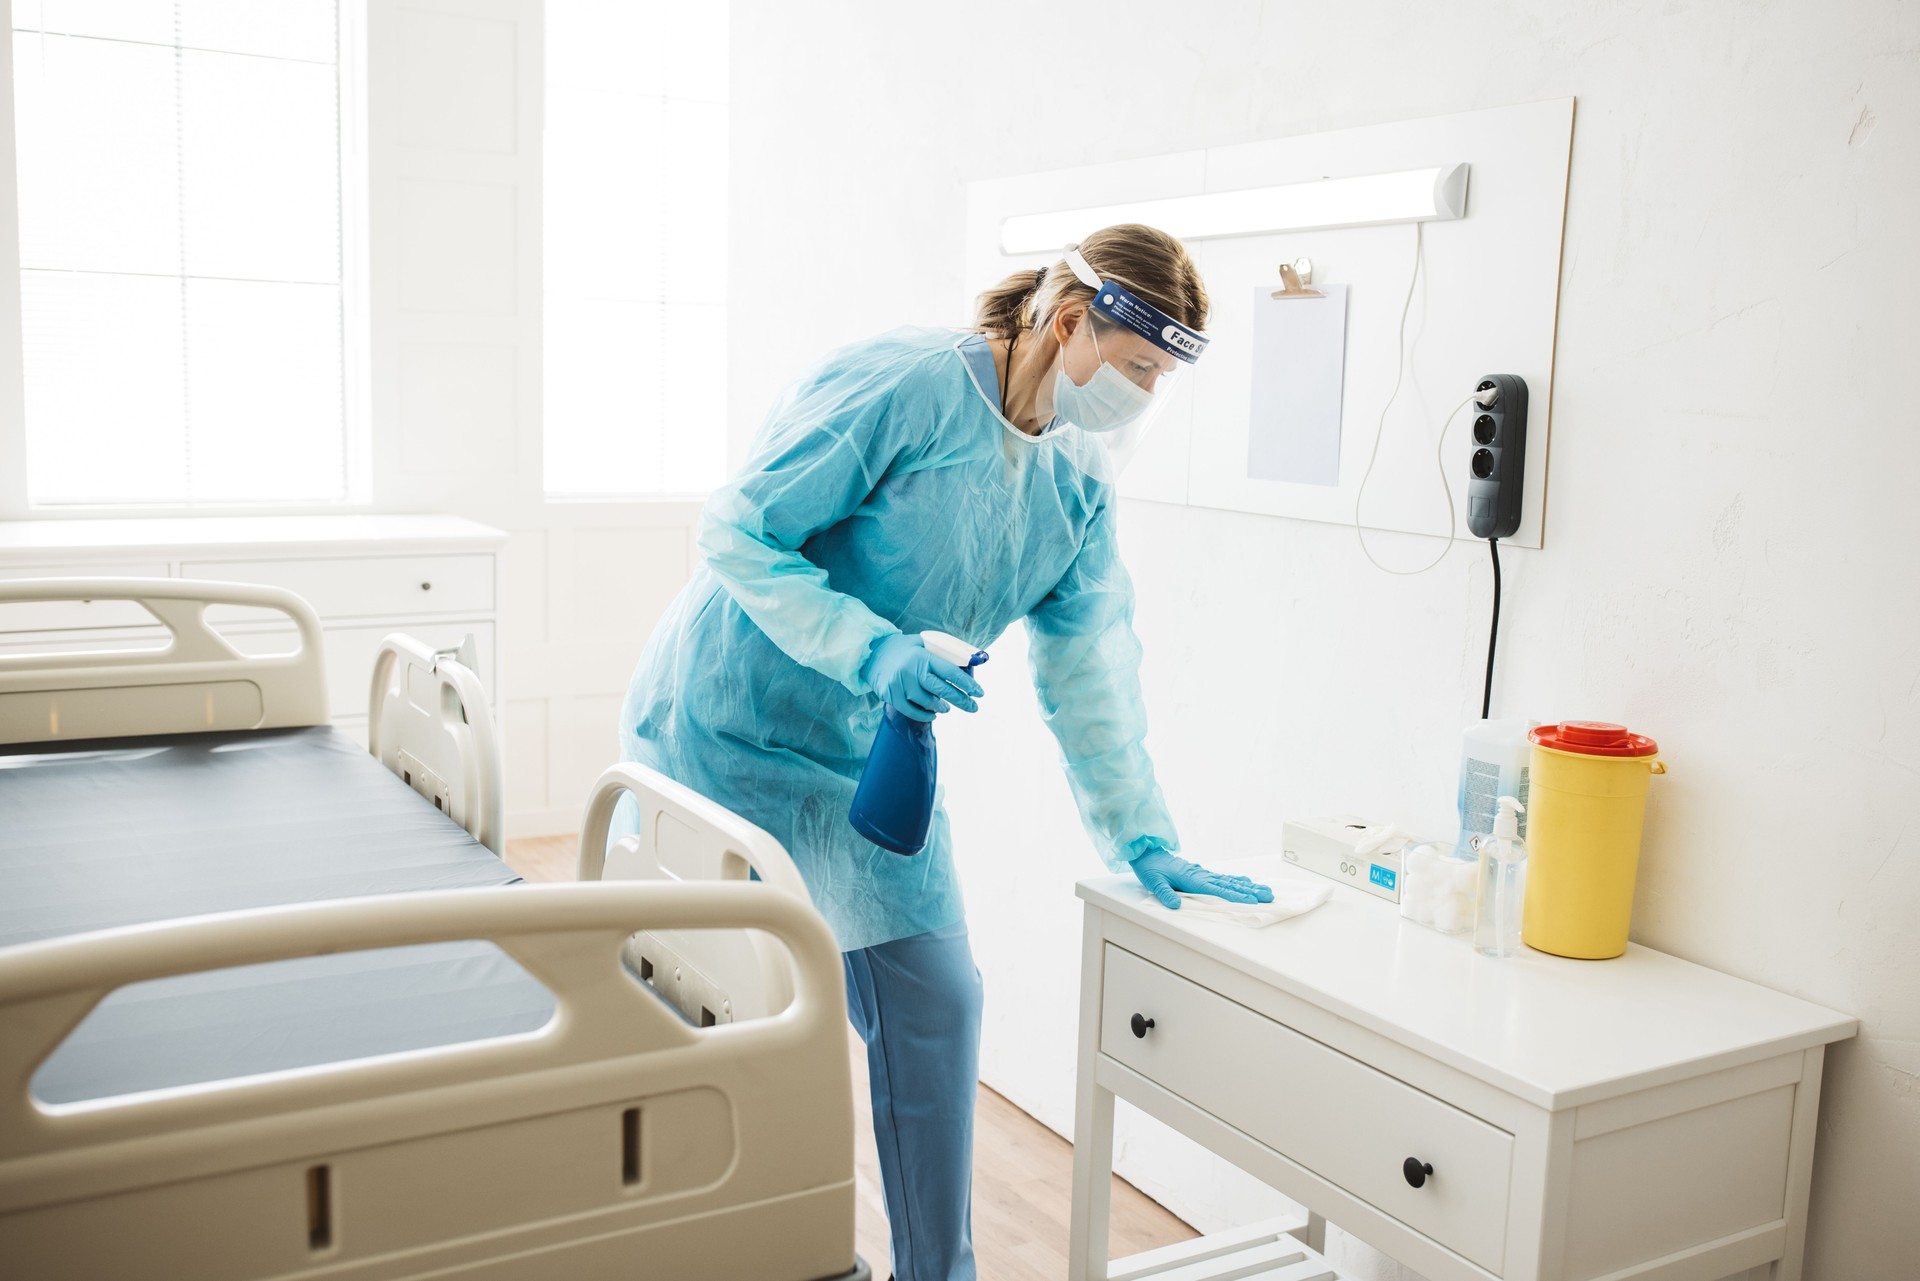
x: 1493, y: 630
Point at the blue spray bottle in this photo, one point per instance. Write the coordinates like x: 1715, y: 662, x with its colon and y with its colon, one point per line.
x: 893, y: 806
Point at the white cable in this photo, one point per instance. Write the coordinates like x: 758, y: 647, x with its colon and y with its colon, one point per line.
x: 1380, y: 428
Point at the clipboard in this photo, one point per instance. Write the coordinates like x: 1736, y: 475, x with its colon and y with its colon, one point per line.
x: 1299, y: 368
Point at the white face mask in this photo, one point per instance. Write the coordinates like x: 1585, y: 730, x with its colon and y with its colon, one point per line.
x: 1107, y: 402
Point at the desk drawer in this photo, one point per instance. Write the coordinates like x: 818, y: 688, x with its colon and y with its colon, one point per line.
x: 1349, y: 1123
x: 356, y: 587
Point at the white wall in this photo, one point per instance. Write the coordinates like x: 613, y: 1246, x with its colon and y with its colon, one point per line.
x: 1731, y: 517
x: 454, y: 123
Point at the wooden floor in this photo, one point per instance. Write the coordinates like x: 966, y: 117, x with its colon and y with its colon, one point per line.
x: 1022, y: 1171
x: 544, y: 858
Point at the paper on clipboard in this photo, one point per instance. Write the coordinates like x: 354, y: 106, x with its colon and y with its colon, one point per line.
x: 1299, y: 363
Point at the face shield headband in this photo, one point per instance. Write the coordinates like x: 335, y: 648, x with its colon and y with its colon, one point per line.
x: 1131, y: 312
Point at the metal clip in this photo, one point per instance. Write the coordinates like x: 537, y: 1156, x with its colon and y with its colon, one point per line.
x: 1295, y: 276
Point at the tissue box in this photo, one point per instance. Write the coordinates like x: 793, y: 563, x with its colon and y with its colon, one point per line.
x: 1329, y: 846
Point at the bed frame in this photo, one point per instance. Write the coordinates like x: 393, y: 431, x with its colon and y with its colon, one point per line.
x: 429, y: 719
x: 623, y: 1139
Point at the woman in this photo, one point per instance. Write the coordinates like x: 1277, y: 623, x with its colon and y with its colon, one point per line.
x: 924, y: 480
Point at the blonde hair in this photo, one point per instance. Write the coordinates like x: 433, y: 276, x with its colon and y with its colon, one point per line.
x: 1149, y: 262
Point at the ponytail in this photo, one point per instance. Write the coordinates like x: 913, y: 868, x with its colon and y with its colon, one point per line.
x: 1001, y: 312
x: 1150, y: 263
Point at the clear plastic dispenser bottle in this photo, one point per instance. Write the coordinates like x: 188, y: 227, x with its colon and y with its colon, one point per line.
x: 893, y: 805
x: 1503, y: 870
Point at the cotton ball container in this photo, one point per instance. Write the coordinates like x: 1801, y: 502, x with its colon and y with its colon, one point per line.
x: 1420, y: 866
x: 1439, y: 888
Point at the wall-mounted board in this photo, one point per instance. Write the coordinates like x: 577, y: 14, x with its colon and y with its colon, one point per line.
x: 1486, y: 302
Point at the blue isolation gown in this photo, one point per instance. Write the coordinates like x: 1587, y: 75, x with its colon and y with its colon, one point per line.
x: 886, y: 493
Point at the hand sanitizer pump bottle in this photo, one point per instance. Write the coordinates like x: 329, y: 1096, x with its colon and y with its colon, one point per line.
x: 893, y: 806
x: 1503, y: 865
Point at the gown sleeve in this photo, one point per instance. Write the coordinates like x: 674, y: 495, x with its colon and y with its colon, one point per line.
x: 822, y: 451
x: 1086, y: 671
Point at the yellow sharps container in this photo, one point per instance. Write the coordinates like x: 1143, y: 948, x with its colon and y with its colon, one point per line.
x: 1587, y: 797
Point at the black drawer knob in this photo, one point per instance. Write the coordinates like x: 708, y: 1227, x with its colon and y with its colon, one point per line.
x: 1417, y: 1171
x: 1140, y: 1026
x: 426, y: 587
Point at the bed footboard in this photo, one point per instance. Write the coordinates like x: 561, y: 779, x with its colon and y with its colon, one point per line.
x: 618, y: 1141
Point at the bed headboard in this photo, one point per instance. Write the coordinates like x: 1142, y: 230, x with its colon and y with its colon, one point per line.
x: 197, y: 682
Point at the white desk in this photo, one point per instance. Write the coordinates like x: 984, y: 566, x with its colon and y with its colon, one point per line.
x: 1642, y: 1118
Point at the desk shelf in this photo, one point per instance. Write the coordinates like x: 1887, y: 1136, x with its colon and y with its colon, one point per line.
x: 1276, y: 1250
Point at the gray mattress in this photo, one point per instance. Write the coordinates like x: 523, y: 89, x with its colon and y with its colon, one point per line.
x: 123, y: 831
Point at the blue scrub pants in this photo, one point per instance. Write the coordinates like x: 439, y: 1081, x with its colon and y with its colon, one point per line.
x: 916, y: 1003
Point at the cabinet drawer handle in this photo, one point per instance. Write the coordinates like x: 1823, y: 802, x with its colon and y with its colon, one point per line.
x: 1140, y: 1026
x: 1417, y: 1171
x: 426, y: 587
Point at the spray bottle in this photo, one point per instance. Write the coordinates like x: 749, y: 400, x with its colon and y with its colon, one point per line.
x: 1503, y: 864
x: 893, y: 806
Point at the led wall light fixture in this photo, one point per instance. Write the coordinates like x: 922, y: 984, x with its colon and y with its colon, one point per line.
x: 1410, y: 195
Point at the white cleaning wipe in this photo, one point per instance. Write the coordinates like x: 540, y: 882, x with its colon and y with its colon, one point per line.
x: 1290, y: 898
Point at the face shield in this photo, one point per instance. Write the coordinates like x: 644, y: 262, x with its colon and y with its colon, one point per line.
x: 1117, y: 370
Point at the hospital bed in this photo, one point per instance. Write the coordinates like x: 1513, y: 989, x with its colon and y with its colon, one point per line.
x: 264, y: 1012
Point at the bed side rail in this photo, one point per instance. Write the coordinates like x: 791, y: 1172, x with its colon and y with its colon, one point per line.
x: 430, y: 722
x: 671, y: 833
x: 197, y: 682
x: 608, y: 1040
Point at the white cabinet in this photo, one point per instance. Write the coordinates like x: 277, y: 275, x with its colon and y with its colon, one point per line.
x: 433, y: 577
x: 1535, y: 1119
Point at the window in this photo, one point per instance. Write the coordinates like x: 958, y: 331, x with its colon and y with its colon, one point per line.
x: 185, y: 327
x: 635, y: 247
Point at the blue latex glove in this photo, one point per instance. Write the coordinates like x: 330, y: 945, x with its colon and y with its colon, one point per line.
x: 916, y: 682
x: 1167, y: 876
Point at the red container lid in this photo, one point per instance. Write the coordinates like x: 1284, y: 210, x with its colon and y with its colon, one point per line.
x: 1593, y: 738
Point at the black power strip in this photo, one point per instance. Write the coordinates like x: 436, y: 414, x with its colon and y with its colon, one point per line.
x: 1494, y: 490
x: 1499, y: 458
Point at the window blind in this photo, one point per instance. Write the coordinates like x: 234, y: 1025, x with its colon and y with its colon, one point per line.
x: 180, y: 250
